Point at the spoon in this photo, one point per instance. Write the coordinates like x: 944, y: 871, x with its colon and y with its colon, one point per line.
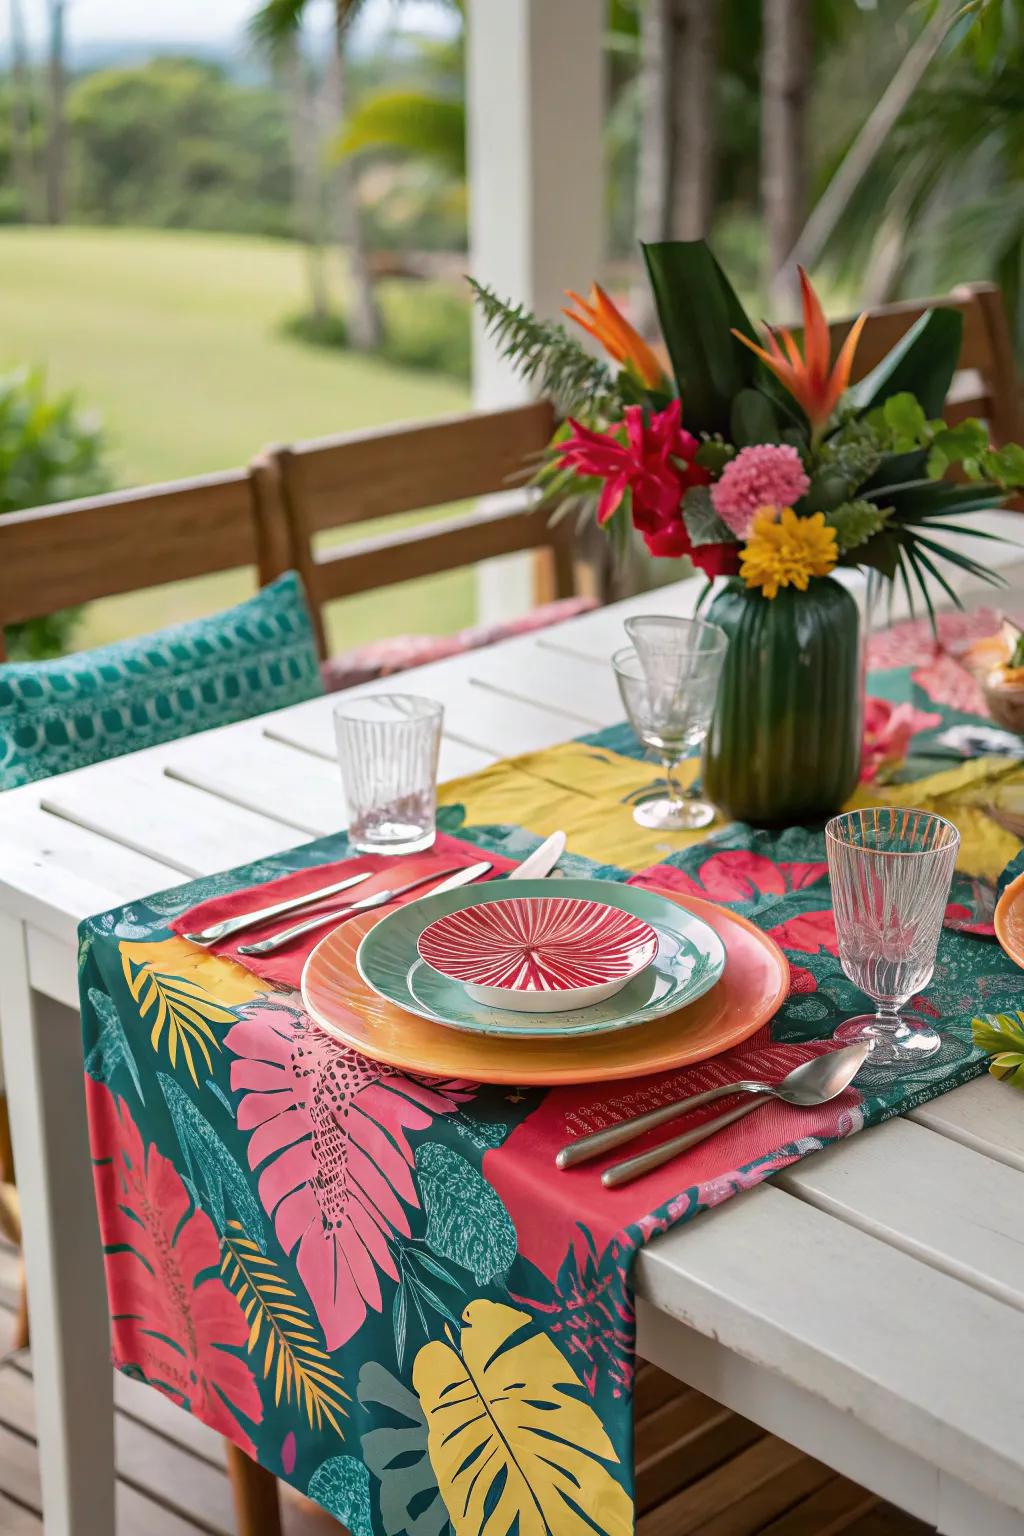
x: 813, y: 1082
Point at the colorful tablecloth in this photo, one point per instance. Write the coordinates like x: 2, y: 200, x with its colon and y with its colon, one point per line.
x: 376, y: 1284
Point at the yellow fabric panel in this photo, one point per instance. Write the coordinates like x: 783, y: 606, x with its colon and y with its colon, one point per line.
x: 583, y: 790
x: 963, y: 795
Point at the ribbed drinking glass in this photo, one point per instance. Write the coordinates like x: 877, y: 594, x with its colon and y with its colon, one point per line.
x: 388, y: 745
x: 890, y: 872
x: 669, y: 684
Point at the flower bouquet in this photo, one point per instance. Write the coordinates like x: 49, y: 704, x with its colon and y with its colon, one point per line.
x: 753, y: 457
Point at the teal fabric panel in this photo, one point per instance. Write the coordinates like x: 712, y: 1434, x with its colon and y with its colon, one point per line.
x: 81, y: 709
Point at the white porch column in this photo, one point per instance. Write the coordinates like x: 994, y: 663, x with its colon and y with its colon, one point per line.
x: 535, y: 109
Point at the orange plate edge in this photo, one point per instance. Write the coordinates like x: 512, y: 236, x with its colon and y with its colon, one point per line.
x: 438, y: 1051
x: 1009, y: 933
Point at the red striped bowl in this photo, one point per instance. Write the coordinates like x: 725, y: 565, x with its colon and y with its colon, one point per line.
x: 539, y: 954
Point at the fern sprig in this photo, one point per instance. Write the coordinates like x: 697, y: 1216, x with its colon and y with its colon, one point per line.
x: 547, y: 354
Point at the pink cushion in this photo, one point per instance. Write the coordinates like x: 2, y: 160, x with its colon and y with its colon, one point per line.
x: 382, y: 658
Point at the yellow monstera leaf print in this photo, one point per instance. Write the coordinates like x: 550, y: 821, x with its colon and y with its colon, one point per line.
x: 511, y: 1448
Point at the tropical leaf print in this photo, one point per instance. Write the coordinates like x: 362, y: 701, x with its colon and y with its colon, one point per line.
x: 329, y: 1135
x: 177, y: 1008
x: 1001, y: 1035
x: 466, y: 1219
x: 396, y: 1454
x: 281, y: 1332
x: 211, y: 1166
x: 588, y: 1311
x: 111, y: 1049
x: 174, y: 1321
x: 512, y: 1447
x: 342, y: 1486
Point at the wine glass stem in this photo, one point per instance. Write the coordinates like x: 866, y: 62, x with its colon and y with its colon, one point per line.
x: 675, y: 793
x: 888, y: 1019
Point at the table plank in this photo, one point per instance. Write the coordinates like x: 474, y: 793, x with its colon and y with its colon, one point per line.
x: 55, y: 872
x: 914, y: 1354
x: 583, y: 689
x: 985, y: 1114
x: 930, y: 1196
x: 137, y: 805
x: 477, y: 718
x: 246, y: 767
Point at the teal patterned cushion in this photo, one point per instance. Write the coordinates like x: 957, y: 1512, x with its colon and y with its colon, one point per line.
x: 56, y: 715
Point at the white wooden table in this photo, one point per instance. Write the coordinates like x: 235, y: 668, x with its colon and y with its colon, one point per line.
x: 867, y: 1305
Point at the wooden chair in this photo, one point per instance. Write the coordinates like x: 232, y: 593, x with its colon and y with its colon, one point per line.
x: 342, y: 481
x: 75, y: 551
x: 986, y: 382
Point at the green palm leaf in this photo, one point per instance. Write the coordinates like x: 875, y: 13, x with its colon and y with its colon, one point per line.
x: 415, y: 122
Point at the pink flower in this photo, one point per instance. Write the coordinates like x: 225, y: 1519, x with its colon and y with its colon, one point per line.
x: 653, y: 461
x: 766, y: 475
x: 888, y: 730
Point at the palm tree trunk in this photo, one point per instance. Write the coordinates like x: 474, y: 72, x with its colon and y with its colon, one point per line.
x: 23, y: 171
x: 653, y: 202
x: 785, y: 82
x: 654, y: 167
x: 56, y: 131
x: 859, y: 157
x: 307, y: 182
x: 364, y: 321
x: 694, y: 64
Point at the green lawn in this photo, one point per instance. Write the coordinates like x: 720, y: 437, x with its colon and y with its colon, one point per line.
x: 172, y: 337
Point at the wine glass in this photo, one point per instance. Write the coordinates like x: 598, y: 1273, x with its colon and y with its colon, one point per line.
x: 669, y: 683
x: 890, y: 871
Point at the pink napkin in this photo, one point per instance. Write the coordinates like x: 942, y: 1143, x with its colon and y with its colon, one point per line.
x: 285, y: 965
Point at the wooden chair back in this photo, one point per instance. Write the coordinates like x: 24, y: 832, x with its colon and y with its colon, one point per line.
x: 339, y: 482
x: 986, y: 382
x: 75, y: 551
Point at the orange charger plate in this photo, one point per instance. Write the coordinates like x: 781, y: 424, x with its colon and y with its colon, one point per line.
x: 754, y: 984
x: 1009, y: 920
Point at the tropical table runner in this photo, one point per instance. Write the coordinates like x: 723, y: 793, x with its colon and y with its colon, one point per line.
x: 377, y: 1285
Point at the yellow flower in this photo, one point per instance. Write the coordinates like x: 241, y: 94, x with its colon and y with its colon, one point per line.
x: 784, y: 550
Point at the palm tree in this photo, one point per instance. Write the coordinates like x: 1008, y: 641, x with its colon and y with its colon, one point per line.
x: 785, y: 88
x: 931, y: 191
x: 275, y: 27
x: 22, y: 152
x: 56, y: 126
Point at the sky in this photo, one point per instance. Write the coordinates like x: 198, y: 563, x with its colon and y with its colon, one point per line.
x: 199, y: 21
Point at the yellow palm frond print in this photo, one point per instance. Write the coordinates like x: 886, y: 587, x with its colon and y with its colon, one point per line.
x: 176, y: 1007
x: 281, y: 1334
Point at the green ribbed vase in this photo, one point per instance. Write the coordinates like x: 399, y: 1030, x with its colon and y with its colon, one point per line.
x: 784, y: 745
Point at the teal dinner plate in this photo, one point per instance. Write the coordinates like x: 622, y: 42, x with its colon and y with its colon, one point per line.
x: 689, y: 960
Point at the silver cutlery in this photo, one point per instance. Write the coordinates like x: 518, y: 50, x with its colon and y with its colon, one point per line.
x: 367, y: 904
x: 813, y: 1082
x: 542, y: 860
x: 231, y: 925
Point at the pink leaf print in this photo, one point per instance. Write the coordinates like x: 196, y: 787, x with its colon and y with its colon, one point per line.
x: 736, y: 875
x: 167, y: 1319
x: 809, y: 932
x: 329, y: 1131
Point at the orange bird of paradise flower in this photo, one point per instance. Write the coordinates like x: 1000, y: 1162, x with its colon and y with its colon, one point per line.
x: 811, y: 379
x: 620, y: 340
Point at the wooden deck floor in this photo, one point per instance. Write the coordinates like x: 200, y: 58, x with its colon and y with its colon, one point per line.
x: 701, y: 1470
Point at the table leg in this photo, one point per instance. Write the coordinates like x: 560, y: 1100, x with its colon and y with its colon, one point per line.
x: 42, y: 1051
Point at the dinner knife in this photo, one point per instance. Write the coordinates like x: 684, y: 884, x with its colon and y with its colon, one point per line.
x: 229, y: 925
x: 367, y: 904
x: 542, y: 860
